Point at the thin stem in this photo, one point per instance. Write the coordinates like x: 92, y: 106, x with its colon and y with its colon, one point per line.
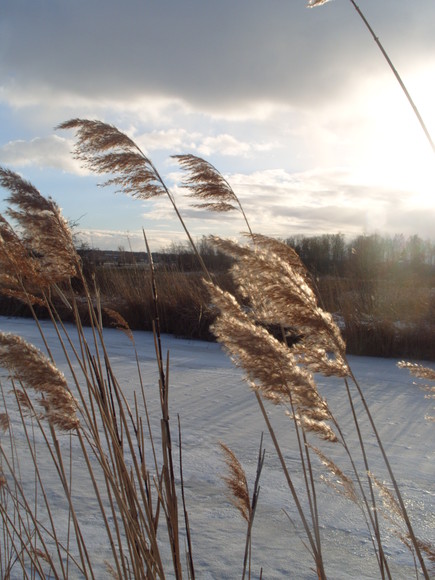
x: 315, y: 553
x: 186, y: 515
x: 393, y: 479
x: 174, y: 205
x: 255, y: 494
x: 382, y: 558
x: 396, y: 74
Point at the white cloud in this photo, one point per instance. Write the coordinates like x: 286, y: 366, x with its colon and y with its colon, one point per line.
x: 52, y: 151
x: 173, y: 140
x: 264, y: 95
x: 217, y: 57
x: 226, y: 144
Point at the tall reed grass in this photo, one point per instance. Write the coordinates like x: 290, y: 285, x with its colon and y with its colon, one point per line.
x: 128, y: 451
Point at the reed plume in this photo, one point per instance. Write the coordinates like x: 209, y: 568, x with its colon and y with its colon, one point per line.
x: 45, y: 234
x: 17, y: 264
x: 388, y: 499
x: 237, y: 483
x: 28, y: 365
x: 270, y: 367
x: 238, y: 486
x: 341, y: 483
x: 274, y: 282
x: 208, y: 186
x: 104, y: 149
x: 119, y: 322
x: 425, y: 373
x: 418, y: 370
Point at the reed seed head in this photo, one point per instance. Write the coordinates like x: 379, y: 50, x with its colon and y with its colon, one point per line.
x: 275, y: 284
x: 269, y: 365
x: 206, y: 184
x: 390, y: 503
x: 45, y: 249
x: 34, y: 370
x: 237, y: 483
x: 340, y: 482
x: 119, y: 322
x: 4, y: 422
x: 104, y: 149
x: 417, y: 370
x: 314, y: 3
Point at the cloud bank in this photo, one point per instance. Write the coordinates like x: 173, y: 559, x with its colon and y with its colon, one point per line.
x: 296, y: 107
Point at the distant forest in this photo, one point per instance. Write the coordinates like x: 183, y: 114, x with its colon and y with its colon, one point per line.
x: 332, y: 254
x: 381, y: 289
x: 327, y: 254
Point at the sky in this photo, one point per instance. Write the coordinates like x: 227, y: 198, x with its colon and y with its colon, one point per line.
x: 296, y: 107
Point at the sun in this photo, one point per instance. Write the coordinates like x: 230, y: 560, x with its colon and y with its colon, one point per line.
x: 394, y: 151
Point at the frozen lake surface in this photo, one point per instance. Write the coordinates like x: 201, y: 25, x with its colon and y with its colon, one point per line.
x: 215, y: 404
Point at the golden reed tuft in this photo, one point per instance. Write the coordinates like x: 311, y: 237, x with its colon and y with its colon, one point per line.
x: 276, y: 292
x: 206, y: 184
x: 45, y: 254
x: 340, y: 482
x: 28, y: 365
x: 314, y: 3
x: 270, y: 367
x: 237, y: 483
x: 104, y: 149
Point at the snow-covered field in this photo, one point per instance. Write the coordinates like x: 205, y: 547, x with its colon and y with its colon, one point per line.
x: 214, y: 404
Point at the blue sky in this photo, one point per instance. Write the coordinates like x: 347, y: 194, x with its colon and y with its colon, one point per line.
x: 295, y: 106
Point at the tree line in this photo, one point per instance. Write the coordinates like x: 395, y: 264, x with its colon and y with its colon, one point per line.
x: 368, y: 254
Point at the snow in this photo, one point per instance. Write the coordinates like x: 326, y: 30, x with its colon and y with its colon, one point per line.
x: 215, y: 404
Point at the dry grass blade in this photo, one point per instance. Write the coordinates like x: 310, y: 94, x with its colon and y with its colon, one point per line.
x: 237, y: 483
x: 28, y: 365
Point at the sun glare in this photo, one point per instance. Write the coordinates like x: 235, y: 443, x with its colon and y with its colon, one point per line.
x: 395, y: 153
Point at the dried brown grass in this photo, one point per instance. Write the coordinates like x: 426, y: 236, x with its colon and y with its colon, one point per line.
x: 138, y: 500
